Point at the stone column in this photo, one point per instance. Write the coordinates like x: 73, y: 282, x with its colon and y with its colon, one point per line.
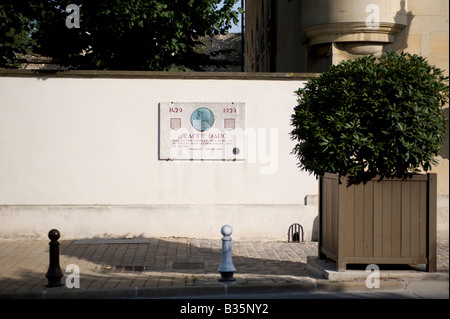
x: 347, y: 28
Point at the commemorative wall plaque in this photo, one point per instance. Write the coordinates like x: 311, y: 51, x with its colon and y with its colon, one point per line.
x: 201, y: 131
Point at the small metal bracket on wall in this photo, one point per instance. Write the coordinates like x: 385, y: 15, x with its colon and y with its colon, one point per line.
x: 294, y: 233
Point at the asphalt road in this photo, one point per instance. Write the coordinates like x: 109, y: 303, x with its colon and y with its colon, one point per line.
x: 322, y: 295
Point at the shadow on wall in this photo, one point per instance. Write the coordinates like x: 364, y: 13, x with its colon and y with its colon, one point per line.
x: 315, y: 229
x: 445, y: 147
x: 401, y: 38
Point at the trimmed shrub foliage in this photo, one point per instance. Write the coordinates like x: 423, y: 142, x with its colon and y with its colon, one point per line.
x: 369, y: 117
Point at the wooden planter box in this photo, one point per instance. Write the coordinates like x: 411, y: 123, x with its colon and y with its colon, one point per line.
x: 381, y: 222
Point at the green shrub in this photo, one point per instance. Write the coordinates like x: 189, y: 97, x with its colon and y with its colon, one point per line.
x: 369, y: 117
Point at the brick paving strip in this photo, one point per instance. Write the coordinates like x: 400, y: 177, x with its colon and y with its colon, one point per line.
x: 158, y: 262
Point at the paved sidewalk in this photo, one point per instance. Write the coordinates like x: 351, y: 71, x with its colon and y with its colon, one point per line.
x: 159, y: 267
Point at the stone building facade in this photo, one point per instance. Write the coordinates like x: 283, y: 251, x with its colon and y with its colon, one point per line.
x: 312, y: 35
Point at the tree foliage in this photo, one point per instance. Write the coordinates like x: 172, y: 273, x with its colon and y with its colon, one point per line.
x: 15, y: 29
x: 126, y: 34
x: 369, y: 117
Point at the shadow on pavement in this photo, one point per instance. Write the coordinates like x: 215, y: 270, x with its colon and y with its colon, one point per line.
x: 162, y: 263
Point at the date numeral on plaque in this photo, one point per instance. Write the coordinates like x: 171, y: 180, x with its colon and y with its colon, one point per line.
x: 229, y: 110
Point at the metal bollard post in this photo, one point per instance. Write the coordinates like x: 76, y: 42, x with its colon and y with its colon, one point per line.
x: 54, y: 273
x: 226, y: 268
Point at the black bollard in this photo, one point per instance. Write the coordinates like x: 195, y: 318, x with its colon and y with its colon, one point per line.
x: 54, y: 273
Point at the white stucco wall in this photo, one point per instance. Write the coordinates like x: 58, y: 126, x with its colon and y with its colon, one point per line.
x: 81, y: 155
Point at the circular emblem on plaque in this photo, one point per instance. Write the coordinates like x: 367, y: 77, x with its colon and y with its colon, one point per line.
x: 202, y: 119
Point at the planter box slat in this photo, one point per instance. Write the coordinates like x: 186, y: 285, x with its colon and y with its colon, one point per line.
x: 358, y: 223
x: 432, y: 223
x: 423, y: 220
x: 391, y: 221
x: 396, y: 219
x: 406, y: 222
x: 387, y: 220
x: 368, y: 219
x: 377, y: 220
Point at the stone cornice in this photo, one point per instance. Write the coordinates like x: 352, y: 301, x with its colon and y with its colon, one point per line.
x: 155, y: 75
x: 352, y: 32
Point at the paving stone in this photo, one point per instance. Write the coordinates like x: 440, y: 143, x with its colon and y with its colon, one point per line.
x: 161, y: 262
